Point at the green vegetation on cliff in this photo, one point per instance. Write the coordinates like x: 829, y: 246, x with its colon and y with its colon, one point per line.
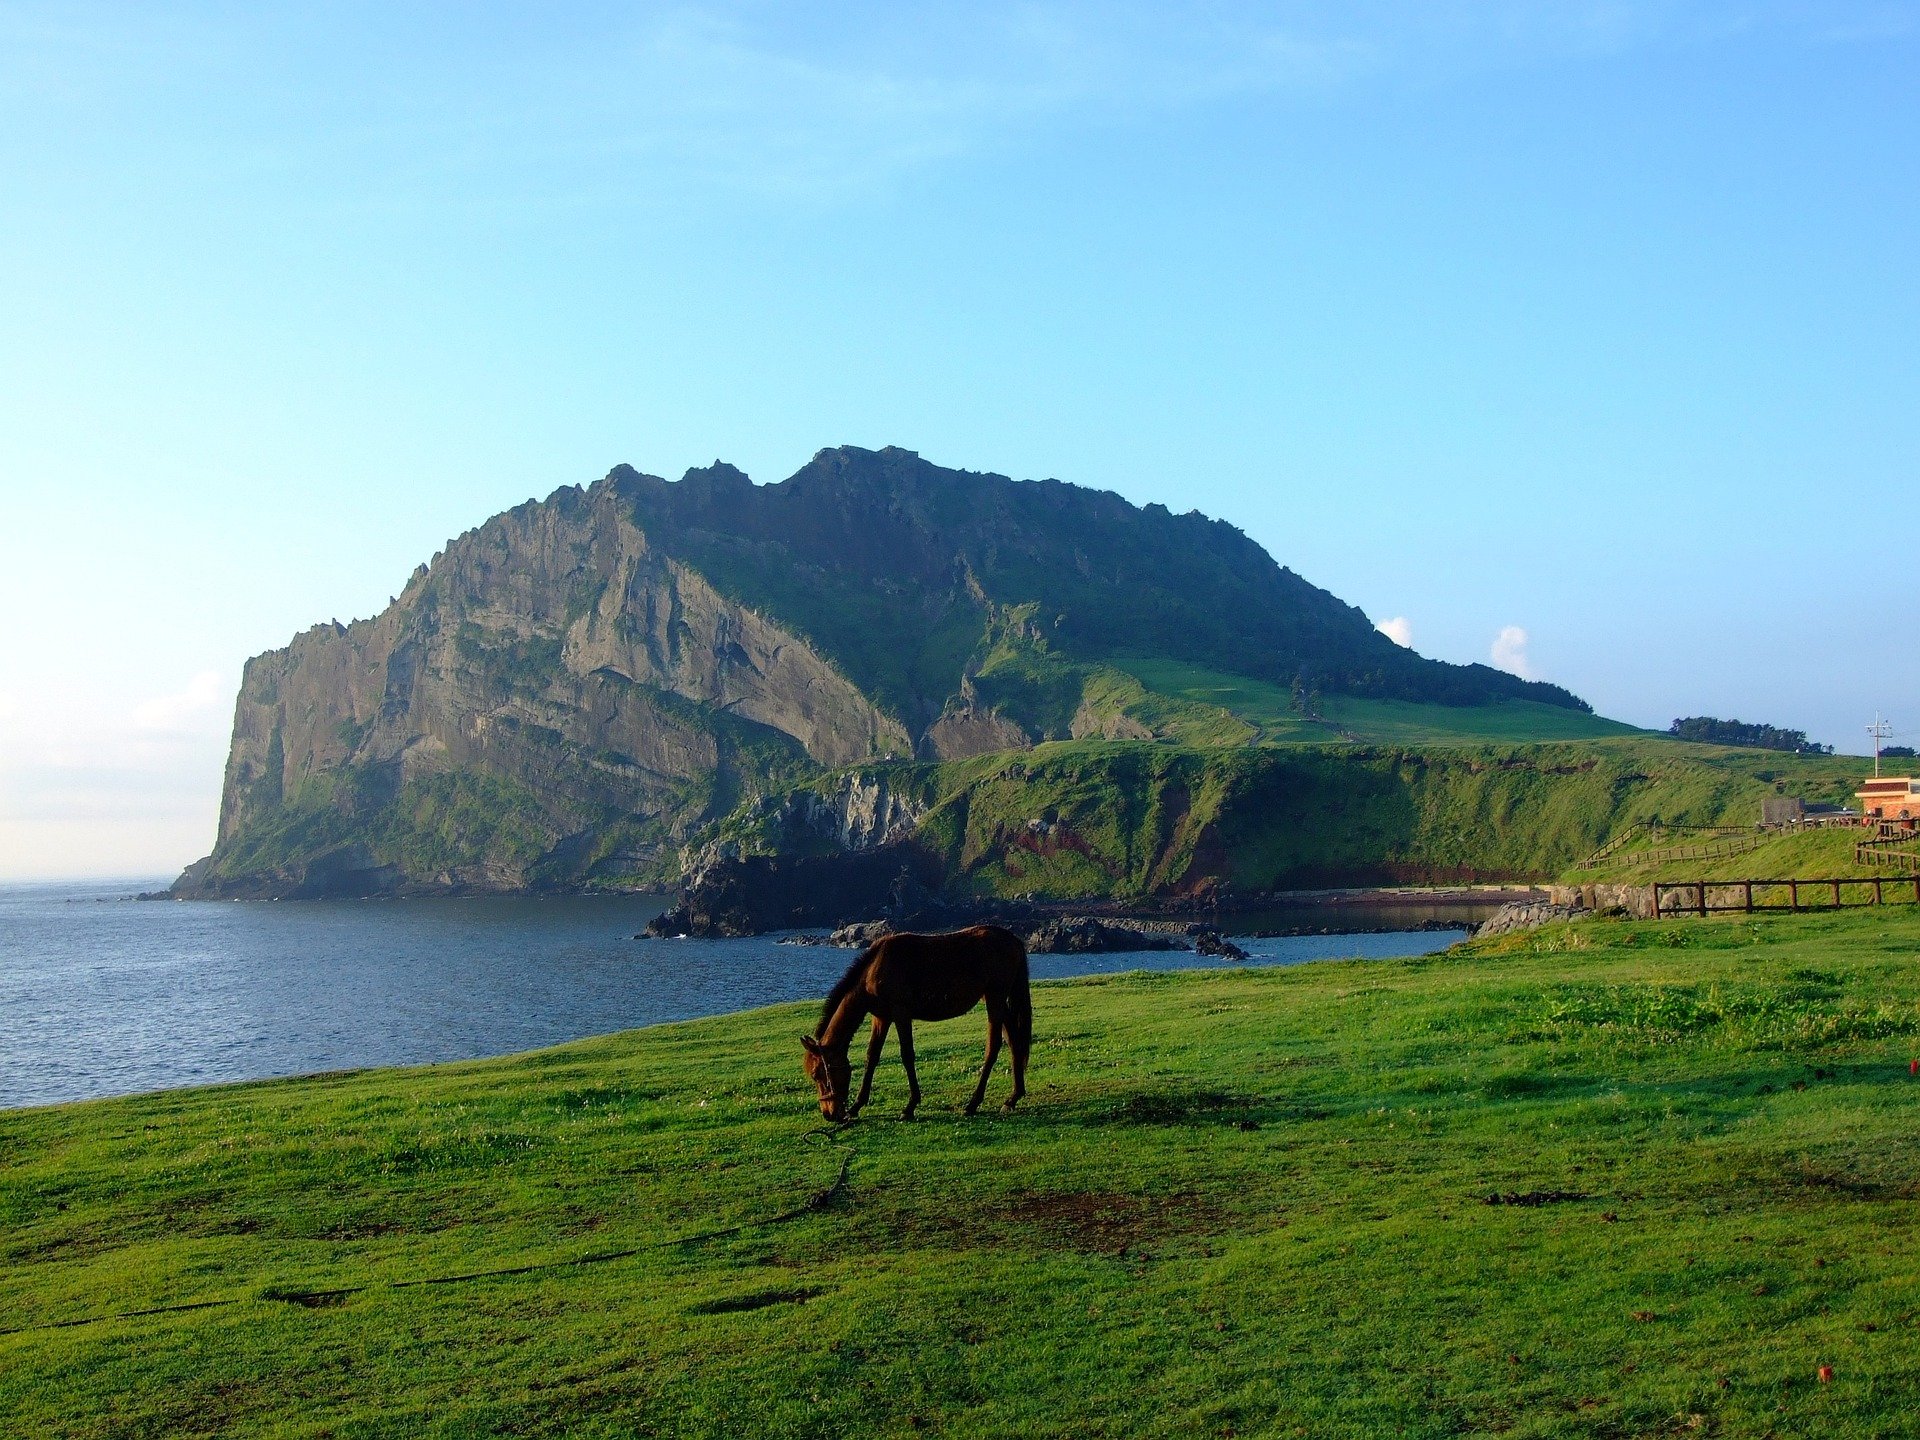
x: 1603, y: 1180
x: 1116, y: 818
x: 870, y: 553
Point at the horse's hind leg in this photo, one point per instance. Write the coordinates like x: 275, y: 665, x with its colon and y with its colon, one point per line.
x: 905, y: 1027
x: 996, y: 1025
x: 1020, y: 1040
x: 875, y: 1042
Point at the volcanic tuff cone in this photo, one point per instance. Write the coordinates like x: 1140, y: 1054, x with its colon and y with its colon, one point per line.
x: 575, y: 688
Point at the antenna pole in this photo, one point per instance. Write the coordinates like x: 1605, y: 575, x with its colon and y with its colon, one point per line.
x: 1879, y: 730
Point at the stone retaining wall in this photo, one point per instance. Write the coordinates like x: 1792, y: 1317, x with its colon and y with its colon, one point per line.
x: 1636, y: 900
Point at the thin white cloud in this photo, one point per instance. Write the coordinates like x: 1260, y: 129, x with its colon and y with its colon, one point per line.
x: 1399, y: 630
x: 189, y: 710
x: 745, y: 96
x: 797, y: 101
x: 1510, y: 652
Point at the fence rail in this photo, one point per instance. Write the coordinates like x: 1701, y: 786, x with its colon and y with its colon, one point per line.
x: 1882, y: 852
x: 1742, y: 837
x: 1738, y: 844
x: 1718, y: 897
x: 1883, y: 848
x: 1820, y: 822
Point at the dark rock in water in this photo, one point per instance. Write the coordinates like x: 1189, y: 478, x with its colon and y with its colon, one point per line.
x: 1085, y: 935
x: 1062, y: 935
x: 1208, y: 941
x: 847, y: 937
x: 729, y: 895
x: 858, y: 937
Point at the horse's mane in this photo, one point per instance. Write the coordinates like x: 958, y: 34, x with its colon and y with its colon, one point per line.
x: 842, y: 988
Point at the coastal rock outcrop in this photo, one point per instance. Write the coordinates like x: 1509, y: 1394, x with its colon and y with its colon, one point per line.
x: 1528, y: 915
x: 729, y: 894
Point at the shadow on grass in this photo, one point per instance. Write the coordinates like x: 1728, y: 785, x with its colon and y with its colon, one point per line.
x: 756, y: 1300
x: 1196, y: 1107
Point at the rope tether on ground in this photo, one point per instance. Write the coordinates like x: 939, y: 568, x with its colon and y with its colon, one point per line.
x: 814, y: 1203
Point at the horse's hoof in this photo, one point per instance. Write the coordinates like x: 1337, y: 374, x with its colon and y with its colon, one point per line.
x: 969, y: 1110
x: 907, y: 1114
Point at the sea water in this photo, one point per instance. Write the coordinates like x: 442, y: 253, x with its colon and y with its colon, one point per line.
x: 101, y: 994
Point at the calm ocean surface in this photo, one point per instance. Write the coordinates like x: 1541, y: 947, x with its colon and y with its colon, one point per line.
x: 102, y: 995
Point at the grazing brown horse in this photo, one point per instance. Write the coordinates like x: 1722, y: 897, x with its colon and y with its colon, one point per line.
x: 903, y: 978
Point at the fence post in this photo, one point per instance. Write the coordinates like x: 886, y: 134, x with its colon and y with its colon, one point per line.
x: 1703, y: 897
x: 1749, y: 897
x: 1793, y: 896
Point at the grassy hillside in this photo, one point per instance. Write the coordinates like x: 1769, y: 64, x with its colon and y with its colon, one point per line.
x: 1810, y: 855
x: 870, y: 553
x: 1275, y: 715
x: 1238, y: 1203
x: 1097, y: 818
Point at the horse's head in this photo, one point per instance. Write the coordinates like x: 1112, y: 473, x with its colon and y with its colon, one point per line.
x: 831, y: 1073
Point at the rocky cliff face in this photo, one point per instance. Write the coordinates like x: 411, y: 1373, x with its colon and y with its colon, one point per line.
x: 570, y: 692
x: 553, y: 666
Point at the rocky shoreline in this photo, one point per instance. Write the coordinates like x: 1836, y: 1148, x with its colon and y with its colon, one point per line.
x: 897, y: 887
x: 1062, y: 935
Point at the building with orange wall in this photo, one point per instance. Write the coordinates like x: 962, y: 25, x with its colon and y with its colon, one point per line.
x: 1894, y: 797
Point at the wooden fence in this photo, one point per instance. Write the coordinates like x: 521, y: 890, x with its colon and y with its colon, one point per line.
x: 1736, y: 844
x: 1741, y: 838
x: 1717, y: 897
x: 1885, y: 849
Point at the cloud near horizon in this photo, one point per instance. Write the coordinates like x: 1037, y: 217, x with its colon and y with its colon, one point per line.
x: 1399, y: 630
x: 187, y: 711
x: 86, y: 793
x: 1510, y: 652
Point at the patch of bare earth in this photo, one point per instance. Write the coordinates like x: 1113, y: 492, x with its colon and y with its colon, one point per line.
x: 1104, y: 1221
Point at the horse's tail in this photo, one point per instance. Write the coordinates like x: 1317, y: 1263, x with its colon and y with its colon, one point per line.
x: 1019, y: 991
x: 1020, y: 1015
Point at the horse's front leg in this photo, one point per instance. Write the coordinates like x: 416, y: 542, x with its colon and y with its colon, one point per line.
x: 875, y: 1042
x: 905, y: 1026
x: 995, y: 1024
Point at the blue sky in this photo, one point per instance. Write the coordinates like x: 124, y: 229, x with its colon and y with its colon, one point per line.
x: 1592, y: 321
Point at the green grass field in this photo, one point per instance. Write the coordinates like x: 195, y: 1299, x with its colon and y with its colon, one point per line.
x: 1249, y: 1202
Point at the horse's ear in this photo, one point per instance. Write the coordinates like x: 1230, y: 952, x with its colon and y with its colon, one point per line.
x: 813, y: 1045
